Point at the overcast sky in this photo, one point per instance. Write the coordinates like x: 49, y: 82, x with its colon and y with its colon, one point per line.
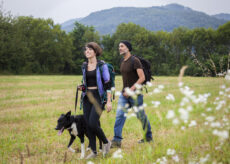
x: 63, y: 10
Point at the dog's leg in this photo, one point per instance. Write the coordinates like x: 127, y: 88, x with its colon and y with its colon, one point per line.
x: 100, y: 147
x: 82, y: 146
x: 70, y: 143
x: 82, y: 150
x: 72, y: 150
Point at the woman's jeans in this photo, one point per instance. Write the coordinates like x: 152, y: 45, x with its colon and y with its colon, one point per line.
x: 123, y: 104
x: 92, y: 119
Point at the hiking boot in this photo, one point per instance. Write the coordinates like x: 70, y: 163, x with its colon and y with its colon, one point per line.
x: 91, y: 155
x: 106, y: 148
x: 115, y: 144
x: 147, y: 140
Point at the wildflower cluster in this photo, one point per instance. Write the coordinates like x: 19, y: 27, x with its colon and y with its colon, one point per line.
x: 170, y: 155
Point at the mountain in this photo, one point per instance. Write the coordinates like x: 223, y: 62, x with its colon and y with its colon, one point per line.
x: 223, y: 16
x: 68, y: 25
x: 154, y: 18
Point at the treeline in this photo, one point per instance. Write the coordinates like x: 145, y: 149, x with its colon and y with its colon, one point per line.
x: 37, y: 46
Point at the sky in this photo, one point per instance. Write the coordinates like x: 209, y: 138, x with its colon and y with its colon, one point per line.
x: 63, y: 10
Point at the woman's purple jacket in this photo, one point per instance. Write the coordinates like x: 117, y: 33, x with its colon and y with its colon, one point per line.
x: 105, y: 75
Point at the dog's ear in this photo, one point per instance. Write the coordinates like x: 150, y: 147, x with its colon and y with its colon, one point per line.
x: 68, y: 114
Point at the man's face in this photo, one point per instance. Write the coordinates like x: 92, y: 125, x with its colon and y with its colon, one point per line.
x: 123, y: 49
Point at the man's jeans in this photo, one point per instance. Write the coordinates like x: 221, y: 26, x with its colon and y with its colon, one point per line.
x: 123, y: 104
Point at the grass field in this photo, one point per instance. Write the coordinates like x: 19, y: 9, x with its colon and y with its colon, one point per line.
x: 188, y: 127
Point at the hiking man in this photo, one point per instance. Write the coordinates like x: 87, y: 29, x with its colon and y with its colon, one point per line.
x: 132, y: 75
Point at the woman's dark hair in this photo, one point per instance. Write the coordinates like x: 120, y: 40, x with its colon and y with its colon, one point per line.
x: 97, y: 49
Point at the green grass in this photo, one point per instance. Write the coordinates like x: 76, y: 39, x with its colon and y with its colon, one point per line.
x: 31, y: 105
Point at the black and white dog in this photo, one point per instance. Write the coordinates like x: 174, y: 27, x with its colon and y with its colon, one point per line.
x: 76, y: 126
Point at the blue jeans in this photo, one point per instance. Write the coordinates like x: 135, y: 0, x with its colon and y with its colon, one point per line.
x: 120, y: 118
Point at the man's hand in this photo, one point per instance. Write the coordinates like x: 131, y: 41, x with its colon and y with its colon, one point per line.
x: 108, y: 106
x: 125, y: 95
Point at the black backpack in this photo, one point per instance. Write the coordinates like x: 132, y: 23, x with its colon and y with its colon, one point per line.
x: 146, y: 68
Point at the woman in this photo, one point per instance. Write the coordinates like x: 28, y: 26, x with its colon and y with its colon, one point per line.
x: 98, y: 84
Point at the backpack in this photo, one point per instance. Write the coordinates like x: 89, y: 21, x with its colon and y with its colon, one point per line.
x: 146, y: 68
x: 111, y: 72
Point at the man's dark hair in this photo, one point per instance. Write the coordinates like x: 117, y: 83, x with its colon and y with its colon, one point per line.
x: 128, y: 44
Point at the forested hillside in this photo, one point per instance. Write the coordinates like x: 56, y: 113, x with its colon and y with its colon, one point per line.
x: 165, y: 18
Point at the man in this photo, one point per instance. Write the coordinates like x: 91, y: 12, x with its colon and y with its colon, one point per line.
x: 132, y: 75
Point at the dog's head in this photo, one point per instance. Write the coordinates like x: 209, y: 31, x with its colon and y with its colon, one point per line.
x: 63, y: 122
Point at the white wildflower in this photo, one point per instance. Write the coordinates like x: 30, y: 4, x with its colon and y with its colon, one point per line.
x: 209, y: 109
x: 138, y: 86
x: 184, y: 115
x: 215, y: 125
x: 221, y: 134
x: 137, y: 92
x: 203, y: 114
x: 221, y: 92
x: 222, y: 86
x: 156, y: 103
x: 206, y: 123
x: 192, y: 123
x: 180, y: 84
x: 171, y: 152
x: 126, y: 105
x: 176, y: 158
x: 164, y: 159
x: 170, y: 97
x: 129, y: 91
x: 117, y: 93
x: 113, y: 89
x: 156, y: 90
x: 161, y: 86
x: 131, y: 115
x: 210, y: 118
x: 217, y: 98
x: 117, y: 154
x: 141, y: 107
x: 205, y: 159
x: 184, y: 101
x: 227, y: 77
x: 175, y: 121
x: 149, y: 84
x: 119, y: 107
x: 135, y: 108
x: 182, y: 128
x: 189, y: 108
x: 227, y: 90
x: 170, y: 114
x: 90, y: 162
x: 186, y: 91
x: 129, y: 109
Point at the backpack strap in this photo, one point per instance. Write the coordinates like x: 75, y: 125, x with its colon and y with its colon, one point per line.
x: 132, y: 58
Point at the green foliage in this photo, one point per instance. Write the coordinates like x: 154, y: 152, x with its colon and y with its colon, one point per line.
x: 37, y: 46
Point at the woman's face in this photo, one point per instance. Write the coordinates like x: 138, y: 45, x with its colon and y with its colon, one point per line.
x: 89, y: 53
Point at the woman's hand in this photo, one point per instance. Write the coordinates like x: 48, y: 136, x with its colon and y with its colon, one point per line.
x: 81, y: 87
x: 108, y: 106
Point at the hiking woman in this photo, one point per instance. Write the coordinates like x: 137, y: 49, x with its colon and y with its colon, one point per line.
x: 97, y: 82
